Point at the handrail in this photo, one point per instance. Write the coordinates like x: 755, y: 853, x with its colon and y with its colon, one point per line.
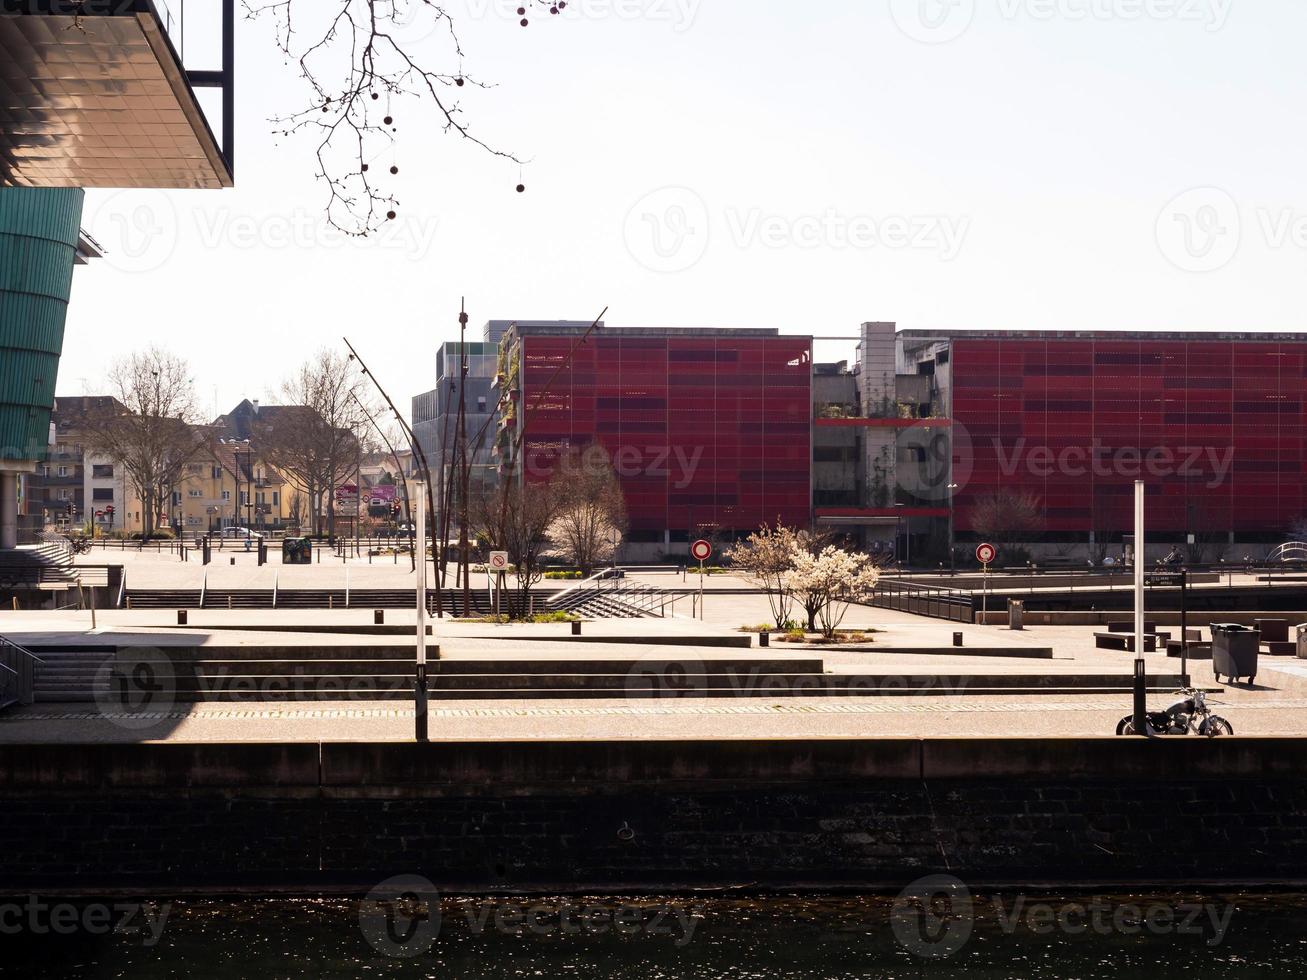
x: 1296, y: 549
x: 276, y: 581
x: 564, y: 593
x: 204, y: 587
x: 21, y: 663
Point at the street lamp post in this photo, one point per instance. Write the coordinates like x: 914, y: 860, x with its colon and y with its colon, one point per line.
x: 420, y: 679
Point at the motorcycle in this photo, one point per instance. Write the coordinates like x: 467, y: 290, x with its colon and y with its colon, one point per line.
x: 1190, y: 715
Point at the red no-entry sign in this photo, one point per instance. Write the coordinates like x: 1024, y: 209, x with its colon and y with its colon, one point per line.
x: 986, y: 554
x: 701, y: 550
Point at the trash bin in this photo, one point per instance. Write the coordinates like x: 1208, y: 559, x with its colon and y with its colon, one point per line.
x: 1016, y: 611
x: 1234, y: 651
x: 1302, y: 642
x: 296, y: 551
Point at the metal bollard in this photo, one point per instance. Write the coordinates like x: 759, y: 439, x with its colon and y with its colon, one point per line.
x: 1140, y: 700
x: 957, y: 639
x: 576, y: 627
x: 764, y: 639
x: 378, y: 617
x: 181, y: 617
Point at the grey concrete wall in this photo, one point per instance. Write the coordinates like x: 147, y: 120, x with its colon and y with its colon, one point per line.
x: 654, y: 815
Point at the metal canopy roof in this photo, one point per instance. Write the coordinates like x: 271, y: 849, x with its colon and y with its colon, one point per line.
x: 100, y: 99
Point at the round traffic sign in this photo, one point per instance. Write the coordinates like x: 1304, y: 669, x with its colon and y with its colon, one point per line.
x: 499, y: 560
x: 701, y: 550
x: 986, y: 554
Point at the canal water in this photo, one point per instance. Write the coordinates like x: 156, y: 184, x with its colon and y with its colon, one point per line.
x: 1009, y: 935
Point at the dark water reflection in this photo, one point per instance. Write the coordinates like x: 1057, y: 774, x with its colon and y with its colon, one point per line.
x: 1213, y: 935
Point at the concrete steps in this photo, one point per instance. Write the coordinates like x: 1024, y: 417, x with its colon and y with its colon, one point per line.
x: 98, y: 672
x: 75, y: 673
x: 163, y: 598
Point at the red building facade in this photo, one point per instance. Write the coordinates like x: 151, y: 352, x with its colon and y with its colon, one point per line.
x: 709, y: 431
x: 1215, y: 425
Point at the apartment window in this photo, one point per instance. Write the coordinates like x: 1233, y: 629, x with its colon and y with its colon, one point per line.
x: 195, y: 493
x: 276, y: 498
x: 102, y: 471
x: 226, y: 495
x: 215, y: 472
x: 65, y: 494
x: 63, y: 471
x: 102, y: 494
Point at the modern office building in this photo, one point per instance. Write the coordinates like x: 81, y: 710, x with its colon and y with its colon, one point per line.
x: 435, y: 413
x: 709, y: 431
x: 1215, y: 424
x: 902, y: 447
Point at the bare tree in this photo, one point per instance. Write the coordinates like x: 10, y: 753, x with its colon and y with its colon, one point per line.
x: 314, y: 438
x: 1205, y: 541
x: 358, y: 61
x: 591, y: 510
x: 1007, y: 516
x: 1298, y: 531
x: 516, y: 518
x: 153, y: 433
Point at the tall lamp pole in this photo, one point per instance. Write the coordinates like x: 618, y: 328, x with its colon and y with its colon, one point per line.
x: 420, y: 680
x: 416, y: 446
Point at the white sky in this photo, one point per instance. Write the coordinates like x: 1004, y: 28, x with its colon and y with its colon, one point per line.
x: 940, y: 163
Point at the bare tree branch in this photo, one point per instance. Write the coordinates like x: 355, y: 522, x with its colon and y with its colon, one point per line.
x: 358, y: 73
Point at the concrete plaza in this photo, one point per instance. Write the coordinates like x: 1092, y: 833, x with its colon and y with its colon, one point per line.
x: 903, y: 645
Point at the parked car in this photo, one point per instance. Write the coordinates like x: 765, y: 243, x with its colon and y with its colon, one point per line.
x: 240, y: 532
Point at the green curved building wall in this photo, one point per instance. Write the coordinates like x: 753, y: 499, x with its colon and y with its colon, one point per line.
x: 38, y: 243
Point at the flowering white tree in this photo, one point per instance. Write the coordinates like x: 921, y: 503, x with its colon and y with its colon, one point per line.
x: 828, y: 582
x: 766, y: 558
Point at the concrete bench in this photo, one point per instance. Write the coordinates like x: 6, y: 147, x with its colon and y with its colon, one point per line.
x: 1128, y: 626
x: 1124, y: 641
x: 1273, y: 630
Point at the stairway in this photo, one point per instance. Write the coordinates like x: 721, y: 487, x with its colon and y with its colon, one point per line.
x: 611, y: 603
x: 30, y: 566
x: 159, y: 677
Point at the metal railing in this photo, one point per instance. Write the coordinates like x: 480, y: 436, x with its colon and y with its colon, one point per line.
x: 639, y: 600
x: 924, y: 600
x: 17, y: 673
x: 1293, y: 551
